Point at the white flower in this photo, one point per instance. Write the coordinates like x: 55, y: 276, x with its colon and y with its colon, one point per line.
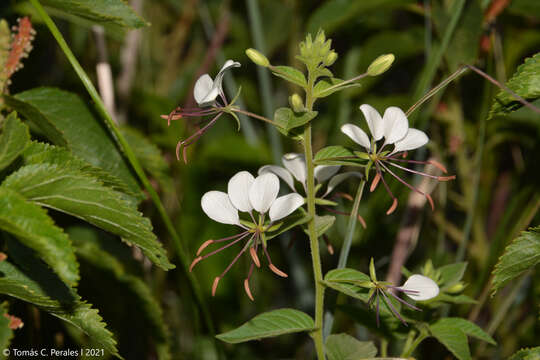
x: 393, y: 126
x: 207, y: 90
x: 258, y: 197
x: 295, y: 168
x: 419, y: 288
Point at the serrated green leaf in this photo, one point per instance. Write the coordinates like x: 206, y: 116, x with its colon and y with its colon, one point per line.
x: 288, y: 119
x: 270, y: 324
x: 348, y: 281
x: 526, y: 354
x: 453, y: 338
x: 290, y: 74
x: 31, y: 225
x: 467, y: 327
x: 74, y: 193
x: 45, y: 291
x: 89, y: 251
x: 346, y: 347
x: 291, y: 221
x: 322, y: 87
x: 6, y: 334
x: 14, y: 138
x: 522, y: 254
x: 525, y: 82
x: 451, y: 273
x: 59, y: 111
x: 100, y: 11
x: 38, y: 153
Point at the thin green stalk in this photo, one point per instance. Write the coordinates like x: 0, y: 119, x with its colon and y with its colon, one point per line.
x: 317, y: 334
x: 408, y: 351
x: 130, y: 155
x: 345, y: 249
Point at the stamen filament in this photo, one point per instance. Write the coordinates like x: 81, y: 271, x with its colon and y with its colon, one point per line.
x: 392, y: 308
x: 440, y: 178
x: 429, y: 162
x: 395, y: 202
x: 410, y: 186
x: 404, y: 302
x: 272, y: 267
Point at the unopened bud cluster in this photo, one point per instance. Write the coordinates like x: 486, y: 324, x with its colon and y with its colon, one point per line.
x: 318, y: 50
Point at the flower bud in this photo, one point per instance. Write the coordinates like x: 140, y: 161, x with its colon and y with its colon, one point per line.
x: 330, y: 58
x: 257, y: 57
x: 456, y: 288
x: 320, y: 38
x: 296, y: 103
x: 380, y: 64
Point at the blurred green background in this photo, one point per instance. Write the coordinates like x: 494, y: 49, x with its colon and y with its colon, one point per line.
x: 154, y: 68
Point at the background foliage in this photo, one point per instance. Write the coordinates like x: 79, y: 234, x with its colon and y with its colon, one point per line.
x: 69, y: 196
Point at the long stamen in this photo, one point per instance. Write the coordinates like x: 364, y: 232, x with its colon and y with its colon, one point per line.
x: 377, y: 312
x: 254, y: 256
x: 272, y: 267
x: 246, y: 280
x: 328, y: 244
x: 435, y: 163
x: 216, y: 280
x: 200, y: 258
x: 395, y: 202
x: 193, y: 138
x: 343, y: 196
x: 392, y: 308
x: 375, y: 182
x: 440, y: 178
x: 404, y: 302
x: 410, y: 186
x: 209, y: 242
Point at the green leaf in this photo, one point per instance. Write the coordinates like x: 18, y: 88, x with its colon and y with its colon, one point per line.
x: 346, y: 347
x: 323, y: 224
x: 522, y: 254
x: 6, y: 334
x: 100, y: 11
x: 38, y: 153
x: 290, y: 74
x: 336, y: 155
x: 77, y: 194
x: 54, y: 110
x: 455, y: 299
x: 270, y: 324
x: 451, y: 273
x: 45, y: 291
x: 88, y: 250
x: 291, y: 221
x: 525, y: 82
x: 453, y: 338
x: 467, y: 327
x: 526, y: 354
x: 31, y: 225
x: 13, y: 140
x: 348, y: 281
x: 288, y: 119
x: 322, y: 87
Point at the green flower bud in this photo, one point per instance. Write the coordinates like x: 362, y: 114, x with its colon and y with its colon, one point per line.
x: 380, y: 64
x: 372, y: 273
x: 320, y: 38
x: 257, y: 57
x: 456, y: 288
x: 296, y: 103
x: 330, y: 58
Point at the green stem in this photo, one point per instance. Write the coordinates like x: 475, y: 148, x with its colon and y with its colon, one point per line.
x: 408, y: 351
x: 317, y: 334
x: 130, y: 155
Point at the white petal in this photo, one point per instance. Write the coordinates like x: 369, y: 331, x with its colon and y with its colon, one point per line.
x: 325, y: 172
x: 395, y: 125
x: 279, y: 171
x: 263, y: 192
x: 357, y: 135
x: 338, y: 179
x: 374, y: 121
x: 202, y: 88
x: 296, y: 164
x: 413, y: 140
x: 238, y: 190
x: 285, y: 205
x: 218, y: 207
x: 427, y: 288
x: 229, y: 64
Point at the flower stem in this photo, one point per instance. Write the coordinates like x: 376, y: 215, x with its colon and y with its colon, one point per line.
x: 255, y: 116
x: 317, y: 334
x: 130, y: 155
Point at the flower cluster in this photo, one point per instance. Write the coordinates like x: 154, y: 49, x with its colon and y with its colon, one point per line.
x: 393, y: 126
x: 258, y: 197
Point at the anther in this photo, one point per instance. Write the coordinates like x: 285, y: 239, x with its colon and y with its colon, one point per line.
x: 215, y: 285
x: 276, y: 271
x: 438, y: 165
x: 203, y: 246
x: 254, y: 256
x: 375, y: 182
x: 247, y: 289
x: 197, y: 259
x: 446, y: 178
x: 362, y: 221
x: 430, y: 202
x: 393, y: 207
